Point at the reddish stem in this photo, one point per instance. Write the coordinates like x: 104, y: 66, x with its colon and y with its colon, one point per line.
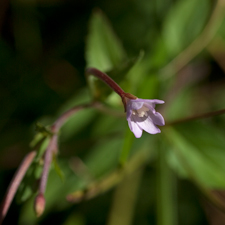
x: 107, y: 80
x: 195, y: 117
x: 52, y: 147
x: 65, y: 116
x: 111, y: 83
x: 13, y: 186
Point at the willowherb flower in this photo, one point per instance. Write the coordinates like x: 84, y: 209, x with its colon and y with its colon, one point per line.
x: 141, y: 115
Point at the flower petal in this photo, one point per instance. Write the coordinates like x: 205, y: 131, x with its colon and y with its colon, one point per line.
x: 152, y: 102
x: 147, y: 125
x: 140, y: 118
x: 135, y: 128
x: 157, y: 118
x: 132, y: 105
x: 129, y: 109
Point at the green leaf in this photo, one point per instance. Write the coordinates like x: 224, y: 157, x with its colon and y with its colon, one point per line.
x: 183, y: 23
x: 42, y: 149
x: 29, y: 184
x: 149, y: 87
x: 42, y: 129
x: 166, y: 196
x: 76, y: 123
x: 125, y: 75
x: 37, y: 138
x: 103, y: 156
x: 80, y: 119
x: 128, y: 141
x: 181, y: 106
x: 198, y: 153
x: 75, y: 219
x: 103, y: 50
x: 58, y: 169
x: 106, y: 125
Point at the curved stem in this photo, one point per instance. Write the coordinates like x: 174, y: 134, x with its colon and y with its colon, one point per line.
x: 111, y: 83
x: 13, y: 186
x: 39, y: 204
x: 106, y: 79
x: 52, y: 147
x: 65, y: 116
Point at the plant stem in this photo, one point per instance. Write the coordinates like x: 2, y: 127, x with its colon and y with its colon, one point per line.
x: 106, y: 79
x: 13, y: 186
x: 110, y: 82
x: 65, y: 116
x: 52, y: 147
x: 195, y: 117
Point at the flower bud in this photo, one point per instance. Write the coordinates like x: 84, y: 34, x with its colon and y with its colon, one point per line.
x: 39, y: 204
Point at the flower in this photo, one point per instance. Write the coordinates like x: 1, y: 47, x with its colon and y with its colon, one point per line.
x: 141, y: 115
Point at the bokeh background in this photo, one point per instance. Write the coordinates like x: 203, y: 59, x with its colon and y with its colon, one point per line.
x: 172, y: 50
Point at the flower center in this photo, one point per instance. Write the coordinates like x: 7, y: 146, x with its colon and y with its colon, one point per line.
x: 141, y: 112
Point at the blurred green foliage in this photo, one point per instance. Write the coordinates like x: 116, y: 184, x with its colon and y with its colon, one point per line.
x: 45, y: 47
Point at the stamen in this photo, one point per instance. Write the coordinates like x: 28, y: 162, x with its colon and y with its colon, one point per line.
x: 142, y: 111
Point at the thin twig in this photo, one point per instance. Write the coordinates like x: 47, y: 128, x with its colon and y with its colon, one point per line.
x: 195, y: 117
x: 39, y: 204
x: 106, y: 79
x: 52, y: 148
x: 199, y: 43
x: 13, y: 186
x: 107, y: 110
x: 110, y: 82
x: 65, y: 116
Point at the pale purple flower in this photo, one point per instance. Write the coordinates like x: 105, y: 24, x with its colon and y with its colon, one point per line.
x: 141, y: 115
